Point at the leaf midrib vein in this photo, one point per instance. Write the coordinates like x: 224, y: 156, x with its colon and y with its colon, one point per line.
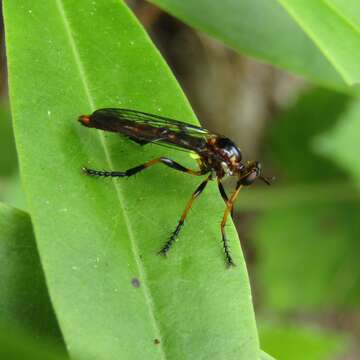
x: 83, y: 77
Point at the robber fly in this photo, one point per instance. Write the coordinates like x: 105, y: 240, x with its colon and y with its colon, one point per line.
x: 217, y: 156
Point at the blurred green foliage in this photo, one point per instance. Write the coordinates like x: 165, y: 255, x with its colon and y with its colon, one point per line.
x: 300, y: 342
x: 341, y: 142
x: 290, y: 137
x: 313, y: 244
x: 307, y: 249
x: 310, y: 263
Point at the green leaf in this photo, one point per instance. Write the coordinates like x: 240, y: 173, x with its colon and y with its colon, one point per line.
x: 8, y: 160
x: 15, y: 344
x: 12, y: 193
x: 264, y: 356
x: 10, y: 188
x: 22, y: 279
x: 341, y: 143
x: 261, y: 29
x: 113, y: 296
x: 24, y: 300
x: 336, y: 35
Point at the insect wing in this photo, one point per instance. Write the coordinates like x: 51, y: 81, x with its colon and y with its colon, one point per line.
x: 145, y: 128
x: 157, y: 121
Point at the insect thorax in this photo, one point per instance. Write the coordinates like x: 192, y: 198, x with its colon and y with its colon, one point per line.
x: 226, y: 169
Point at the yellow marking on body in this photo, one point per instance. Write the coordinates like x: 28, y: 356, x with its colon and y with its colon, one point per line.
x: 233, y: 160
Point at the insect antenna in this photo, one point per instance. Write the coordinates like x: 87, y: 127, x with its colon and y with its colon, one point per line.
x: 267, y: 180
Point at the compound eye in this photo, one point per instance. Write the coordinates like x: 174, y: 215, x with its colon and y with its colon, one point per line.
x: 249, y: 179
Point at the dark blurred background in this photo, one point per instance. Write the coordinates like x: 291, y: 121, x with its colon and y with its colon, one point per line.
x: 300, y: 237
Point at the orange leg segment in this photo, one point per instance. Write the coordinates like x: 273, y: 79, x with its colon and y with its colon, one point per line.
x: 228, y: 210
x: 164, y: 250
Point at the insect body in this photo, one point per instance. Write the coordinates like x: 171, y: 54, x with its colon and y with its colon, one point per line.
x: 218, y: 156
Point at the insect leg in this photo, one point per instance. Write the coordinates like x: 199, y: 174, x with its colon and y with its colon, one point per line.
x: 223, y: 195
x: 136, y: 169
x: 229, y: 206
x: 164, y: 250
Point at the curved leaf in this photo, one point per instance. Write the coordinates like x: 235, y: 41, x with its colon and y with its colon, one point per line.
x: 337, y: 37
x: 114, y: 298
x: 24, y: 300
x: 19, y: 345
x: 259, y: 28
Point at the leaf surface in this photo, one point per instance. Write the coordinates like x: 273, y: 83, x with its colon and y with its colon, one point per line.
x: 262, y: 29
x: 98, y: 239
x: 24, y: 300
x: 337, y: 36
